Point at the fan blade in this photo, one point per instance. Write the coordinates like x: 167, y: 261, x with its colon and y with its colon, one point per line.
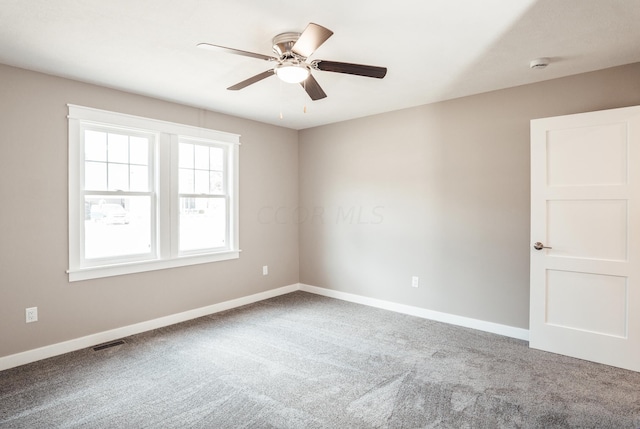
x: 251, y: 80
x: 311, y: 38
x: 357, y: 69
x: 211, y: 47
x: 312, y: 87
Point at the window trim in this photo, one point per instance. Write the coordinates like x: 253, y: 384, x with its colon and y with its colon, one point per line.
x: 164, y: 190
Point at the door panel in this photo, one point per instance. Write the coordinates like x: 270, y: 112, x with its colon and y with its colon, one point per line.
x: 589, y: 302
x: 598, y: 228
x: 585, y: 209
x: 597, y: 155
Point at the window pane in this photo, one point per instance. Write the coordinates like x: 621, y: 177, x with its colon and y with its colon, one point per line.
x: 95, y: 176
x: 118, y: 177
x: 202, y: 223
x: 185, y: 155
x: 202, y: 182
x: 95, y: 145
x: 202, y: 157
x: 216, y: 183
x: 139, y: 178
x: 216, y: 158
x: 139, y: 150
x: 185, y: 178
x: 117, y: 226
x: 118, y: 148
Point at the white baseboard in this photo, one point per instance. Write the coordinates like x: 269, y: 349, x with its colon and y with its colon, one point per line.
x: 45, y: 352
x: 29, y: 356
x: 481, y: 325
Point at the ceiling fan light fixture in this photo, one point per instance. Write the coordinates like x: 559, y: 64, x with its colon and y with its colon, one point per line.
x: 292, y: 72
x: 292, y: 51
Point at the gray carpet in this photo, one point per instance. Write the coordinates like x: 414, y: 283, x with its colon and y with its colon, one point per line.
x: 305, y: 361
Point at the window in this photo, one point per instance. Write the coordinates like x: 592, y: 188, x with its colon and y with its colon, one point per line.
x: 147, y: 194
x: 117, y: 195
x: 201, y: 189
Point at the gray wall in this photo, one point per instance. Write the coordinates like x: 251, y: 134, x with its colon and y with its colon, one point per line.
x: 438, y: 191
x: 33, y: 218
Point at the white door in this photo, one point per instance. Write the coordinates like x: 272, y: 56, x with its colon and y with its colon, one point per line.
x: 585, y: 210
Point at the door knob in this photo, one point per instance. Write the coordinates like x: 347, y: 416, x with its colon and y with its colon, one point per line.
x: 539, y: 246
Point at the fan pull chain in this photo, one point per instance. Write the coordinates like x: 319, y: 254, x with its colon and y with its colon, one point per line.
x: 304, y: 85
x: 280, y: 98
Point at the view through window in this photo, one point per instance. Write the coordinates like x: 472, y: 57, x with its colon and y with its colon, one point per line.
x: 147, y: 194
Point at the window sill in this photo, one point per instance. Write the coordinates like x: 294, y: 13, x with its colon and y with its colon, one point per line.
x: 140, y: 267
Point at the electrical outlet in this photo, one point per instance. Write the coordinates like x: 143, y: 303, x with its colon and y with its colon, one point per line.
x: 415, y: 281
x: 31, y: 314
x: 265, y: 270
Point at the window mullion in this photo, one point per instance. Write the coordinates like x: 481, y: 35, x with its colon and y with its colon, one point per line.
x: 201, y: 195
x: 165, y: 185
x: 118, y: 193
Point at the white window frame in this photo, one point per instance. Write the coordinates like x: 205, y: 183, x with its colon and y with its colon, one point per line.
x: 152, y: 194
x: 176, y: 140
x: 164, y: 191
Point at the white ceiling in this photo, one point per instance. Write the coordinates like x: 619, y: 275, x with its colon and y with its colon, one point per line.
x: 434, y: 49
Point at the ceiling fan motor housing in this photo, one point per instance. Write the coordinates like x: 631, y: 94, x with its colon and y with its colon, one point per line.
x: 283, y: 43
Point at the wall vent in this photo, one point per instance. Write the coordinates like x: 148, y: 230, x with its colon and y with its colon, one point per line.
x: 107, y: 345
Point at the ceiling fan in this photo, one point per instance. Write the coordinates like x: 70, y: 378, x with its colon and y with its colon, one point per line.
x: 292, y: 66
